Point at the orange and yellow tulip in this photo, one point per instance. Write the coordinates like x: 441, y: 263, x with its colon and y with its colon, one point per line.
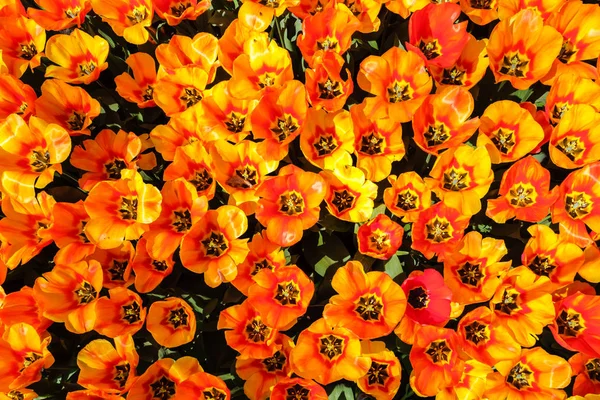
x: 382, y: 381
x: 16, y: 97
x: 324, y: 84
x: 408, y: 196
x: 22, y: 42
x: 175, y: 11
x: 469, y: 68
x: 567, y: 91
x: 58, y: 15
x: 202, y: 384
x: 575, y: 141
x: 127, y: 18
x: 481, y: 12
x: 122, y: 313
x: 380, y: 237
x: 163, y: 377
x: 171, y: 322
x: 585, y: 369
x: 297, y: 387
x: 138, y: 88
x: 349, y: 195
x: 149, y: 272
x: 193, y: 163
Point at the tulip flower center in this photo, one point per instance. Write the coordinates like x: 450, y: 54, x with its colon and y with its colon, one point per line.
x: 569, y: 323
x: 578, y: 205
x: 559, y: 110
x: 287, y: 293
x: 542, y: 266
x: 128, y: 209
x: 571, y: 147
x: 163, y: 388
x: 327, y: 44
x: 438, y: 230
x: 297, y: 392
x: 214, y: 394
x: 87, y: 68
x: 379, y: 240
x: 330, y: 89
x: 369, y: 307
x: 244, y: 177
x: 266, y: 80
x: 514, y: 65
x: 453, y: 76
x: 482, y: 4
x: 15, y: 395
x: 372, y: 144
x: 436, y: 135
x: 182, y: 220
x: 29, y: 359
x: 439, y: 352
x: 270, y: 3
x: 131, y: 312
x: 291, y: 203
x: 178, y: 317
x: 86, y: 293
x: 418, y: 298
x: 284, y: 127
x: 331, y: 346
x: 122, y: 374
x: 114, y: 168
x: 82, y: 234
x: 567, y: 52
x: 504, y: 140
x: 22, y: 108
x: 236, y: 123
x: 73, y: 12
x: 190, y: 96
x: 519, y: 376
x: 275, y: 363
x: 202, y: 180
x: 257, y: 331
x: 117, y: 270
x: 476, y: 332
x: 378, y: 373
x: 325, y: 145
x: 40, y: 160
x: 178, y: 9
x: 138, y: 14
x: 343, y: 200
x: 470, y: 274
x: 407, y: 200
x: 76, y: 121
x: 508, y: 304
x: 28, y: 51
x: 215, y: 244
x: 522, y: 195
x: 430, y: 49
x: 260, y: 265
x: 159, y: 266
x: 399, y: 91
x: 592, y: 367
x: 456, y: 179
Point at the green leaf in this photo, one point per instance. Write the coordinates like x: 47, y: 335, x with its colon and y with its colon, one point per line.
x: 380, y: 209
x: 373, y: 44
x: 522, y: 95
x: 541, y: 102
x: 340, y: 389
x: 393, y: 267
x: 322, y: 250
x: 107, y: 37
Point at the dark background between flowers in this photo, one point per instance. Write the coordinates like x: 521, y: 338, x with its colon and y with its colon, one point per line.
x: 323, y: 249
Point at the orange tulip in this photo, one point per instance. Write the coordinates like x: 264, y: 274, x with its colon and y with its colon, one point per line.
x: 23, y: 356
x: 10, y: 8
x: 588, y: 270
x: 184, y: 88
x: 585, y: 369
x: 163, y: 378
x: 24, y: 394
x: 328, y: 353
x: 149, y: 272
x: 15, y: 97
x: 324, y: 84
x: 399, y: 81
x: 484, y: 339
x: 67, y: 232
x: 138, y: 89
x: 247, y: 333
x: 193, y: 163
x: 171, y: 322
x: 349, y: 195
x: 408, y: 196
x: 442, y: 122
x: 469, y: 68
x: 471, y: 385
x: 481, y: 12
x: 522, y: 49
x: 524, y: 193
x: 405, y: 7
x: 116, y: 265
x: 261, y: 374
x: 179, y: 132
x: 127, y: 18
x: 30, y: 154
x: 212, y: 246
x: 472, y: 271
x: 461, y: 176
x: 69, y: 292
x: 256, y: 13
x: 70, y: 107
x: 175, y: 11
x: 279, y: 118
x: 377, y: 143
x: 567, y: 91
x: 60, y: 15
x: 185, y: 52
x: 438, y: 230
x: 534, y: 375
x: 369, y: 304
x: 543, y: 8
x: 22, y: 43
x: 122, y: 313
x: 295, y: 387
x: 523, y: 305
x: 380, y: 237
x: 107, y: 368
x: 290, y: 203
x: 22, y: 307
x: 281, y: 296
x: 237, y: 33
x: 263, y: 254
x: 576, y: 205
x: 575, y: 140
x: 202, y: 385
x: 327, y: 140
x: 382, y: 381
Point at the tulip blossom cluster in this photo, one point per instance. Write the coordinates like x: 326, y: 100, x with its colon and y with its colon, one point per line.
x: 299, y: 199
